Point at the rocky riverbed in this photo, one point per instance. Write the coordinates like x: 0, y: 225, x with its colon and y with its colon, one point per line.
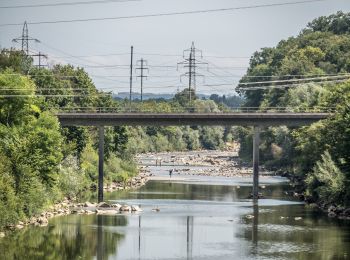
x: 213, y: 163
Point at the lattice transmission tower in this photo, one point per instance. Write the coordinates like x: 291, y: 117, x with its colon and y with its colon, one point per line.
x: 25, y: 39
x: 191, y: 64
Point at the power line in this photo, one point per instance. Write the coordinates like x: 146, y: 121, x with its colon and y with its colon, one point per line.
x: 66, y: 4
x: 293, y: 80
x: 290, y: 85
x: 168, y: 14
x: 20, y: 95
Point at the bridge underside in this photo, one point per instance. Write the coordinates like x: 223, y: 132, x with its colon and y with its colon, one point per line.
x: 144, y: 119
x: 258, y: 120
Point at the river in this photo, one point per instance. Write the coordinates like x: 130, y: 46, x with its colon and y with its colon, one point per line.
x: 197, y: 217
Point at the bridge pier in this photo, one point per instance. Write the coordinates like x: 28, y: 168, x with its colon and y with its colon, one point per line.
x: 256, y: 142
x: 101, y: 140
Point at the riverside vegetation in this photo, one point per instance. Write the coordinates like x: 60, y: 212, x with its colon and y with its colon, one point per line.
x: 317, y: 156
x: 42, y: 163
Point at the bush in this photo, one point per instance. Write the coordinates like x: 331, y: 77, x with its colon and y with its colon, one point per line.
x: 9, y: 208
x: 71, y: 180
x: 326, y: 182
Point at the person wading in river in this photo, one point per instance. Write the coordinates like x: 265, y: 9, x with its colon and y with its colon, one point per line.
x: 171, y: 172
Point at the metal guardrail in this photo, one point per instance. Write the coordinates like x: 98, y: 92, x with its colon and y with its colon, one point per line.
x: 195, y: 110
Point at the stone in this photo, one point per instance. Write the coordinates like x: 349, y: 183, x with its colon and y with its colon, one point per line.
x: 42, y: 220
x: 18, y: 226
x: 103, y: 205
x: 88, y: 204
x: 298, y: 218
x: 347, y: 212
x: 116, y: 205
x: 249, y: 217
x: 2, y: 234
x: 332, y: 214
x: 33, y: 221
x: 313, y: 205
x: 125, y: 208
x: 331, y: 208
x: 89, y: 212
x: 106, y: 212
x: 136, y: 208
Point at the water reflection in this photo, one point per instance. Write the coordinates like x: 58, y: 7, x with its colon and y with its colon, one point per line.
x: 194, y: 222
x: 69, y: 237
x: 189, y: 237
x: 255, y: 224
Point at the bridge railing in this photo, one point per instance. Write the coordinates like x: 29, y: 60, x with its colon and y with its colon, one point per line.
x: 195, y: 110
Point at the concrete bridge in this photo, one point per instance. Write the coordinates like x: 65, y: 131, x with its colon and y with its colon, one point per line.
x: 258, y: 120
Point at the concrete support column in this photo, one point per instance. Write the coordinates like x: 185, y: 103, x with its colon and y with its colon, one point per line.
x: 100, y: 162
x: 256, y: 142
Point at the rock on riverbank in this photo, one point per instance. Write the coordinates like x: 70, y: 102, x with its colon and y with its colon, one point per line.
x: 68, y: 206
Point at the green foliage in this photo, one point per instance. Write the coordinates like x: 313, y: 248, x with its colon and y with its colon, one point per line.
x: 211, y: 137
x: 9, y: 203
x: 19, y: 108
x: 338, y: 23
x: 322, y: 48
x: 16, y: 60
x: 326, y: 182
x: 42, y: 163
x: 72, y: 180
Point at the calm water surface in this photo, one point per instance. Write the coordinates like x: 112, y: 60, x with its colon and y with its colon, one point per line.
x: 199, y: 218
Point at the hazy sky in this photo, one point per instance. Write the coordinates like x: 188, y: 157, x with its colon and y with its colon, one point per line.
x: 227, y: 38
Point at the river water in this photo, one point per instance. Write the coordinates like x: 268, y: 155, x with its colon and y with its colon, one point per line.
x: 199, y: 217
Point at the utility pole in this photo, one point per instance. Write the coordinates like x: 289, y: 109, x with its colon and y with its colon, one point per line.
x: 191, y: 63
x: 40, y: 55
x: 142, y: 63
x: 25, y: 39
x: 131, y: 69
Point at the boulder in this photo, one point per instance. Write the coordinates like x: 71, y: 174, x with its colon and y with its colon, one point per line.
x: 103, y: 205
x: 18, y: 226
x: 136, y: 208
x: 331, y: 209
x: 116, y: 205
x: 125, y: 208
x: 89, y: 212
x: 32, y: 221
x: 88, y: 204
x: 2, y: 234
x: 298, y: 218
x: 332, y: 214
x: 42, y: 220
x: 346, y: 212
x: 106, y: 212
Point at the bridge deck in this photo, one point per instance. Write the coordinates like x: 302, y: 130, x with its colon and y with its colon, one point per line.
x: 167, y: 119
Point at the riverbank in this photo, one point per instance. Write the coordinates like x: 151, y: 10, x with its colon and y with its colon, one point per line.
x: 72, y: 206
x: 331, y: 209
